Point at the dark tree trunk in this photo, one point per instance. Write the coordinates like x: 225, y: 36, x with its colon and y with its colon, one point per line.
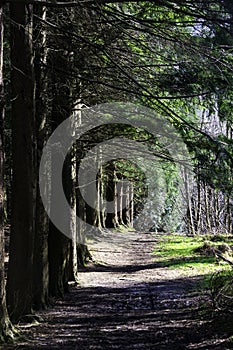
x: 41, y: 269
x: 6, y: 330
x: 110, y: 194
x: 83, y: 254
x: 70, y: 179
x: 20, y: 273
x: 59, y: 262
x: 60, y: 246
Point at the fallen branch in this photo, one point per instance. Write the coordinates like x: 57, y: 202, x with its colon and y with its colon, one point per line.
x: 219, y: 255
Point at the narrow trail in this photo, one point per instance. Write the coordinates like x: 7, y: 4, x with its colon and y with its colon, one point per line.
x: 126, y: 300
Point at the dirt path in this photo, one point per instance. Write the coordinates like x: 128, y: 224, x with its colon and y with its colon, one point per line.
x: 127, y: 301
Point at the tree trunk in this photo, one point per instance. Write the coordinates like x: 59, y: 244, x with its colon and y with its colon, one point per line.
x: 20, y: 273
x: 83, y: 254
x: 59, y: 245
x: 120, y: 201
x: 110, y: 194
x: 115, y: 199
x: 100, y: 199
x: 131, y: 203
x: 41, y: 278
x: 127, y: 205
x: 188, y: 196
x: 5, y: 325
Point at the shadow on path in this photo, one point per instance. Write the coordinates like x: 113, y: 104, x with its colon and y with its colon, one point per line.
x: 126, y: 306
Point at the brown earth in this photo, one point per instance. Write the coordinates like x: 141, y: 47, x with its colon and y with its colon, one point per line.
x: 127, y: 300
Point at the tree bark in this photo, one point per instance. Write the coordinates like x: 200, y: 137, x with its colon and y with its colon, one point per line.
x: 127, y: 206
x: 110, y: 194
x: 6, y: 330
x: 131, y: 203
x: 59, y: 245
x: 20, y: 272
x: 41, y: 270
x: 115, y: 199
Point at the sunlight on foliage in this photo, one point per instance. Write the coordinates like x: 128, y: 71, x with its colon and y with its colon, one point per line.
x: 195, y: 254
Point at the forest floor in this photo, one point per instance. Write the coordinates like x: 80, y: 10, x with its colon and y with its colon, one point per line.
x: 127, y: 300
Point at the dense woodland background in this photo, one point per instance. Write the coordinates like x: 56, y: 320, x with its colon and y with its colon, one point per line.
x: 175, y: 57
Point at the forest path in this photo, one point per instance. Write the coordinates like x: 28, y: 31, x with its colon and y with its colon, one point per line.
x: 127, y: 301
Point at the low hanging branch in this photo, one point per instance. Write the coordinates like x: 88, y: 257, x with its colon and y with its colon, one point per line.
x: 66, y: 4
x: 45, y: 3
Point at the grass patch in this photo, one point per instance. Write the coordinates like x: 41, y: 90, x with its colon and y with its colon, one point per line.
x: 188, y: 253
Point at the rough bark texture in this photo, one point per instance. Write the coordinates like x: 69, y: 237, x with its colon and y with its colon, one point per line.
x: 5, y: 326
x: 41, y: 269
x: 20, y: 275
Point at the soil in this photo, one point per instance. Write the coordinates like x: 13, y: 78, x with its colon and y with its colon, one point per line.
x: 127, y: 300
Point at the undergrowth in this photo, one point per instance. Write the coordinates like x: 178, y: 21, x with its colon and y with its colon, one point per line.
x: 194, y: 254
x: 197, y: 256
x: 221, y: 287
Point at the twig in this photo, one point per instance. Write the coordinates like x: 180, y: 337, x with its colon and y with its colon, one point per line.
x: 217, y: 252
